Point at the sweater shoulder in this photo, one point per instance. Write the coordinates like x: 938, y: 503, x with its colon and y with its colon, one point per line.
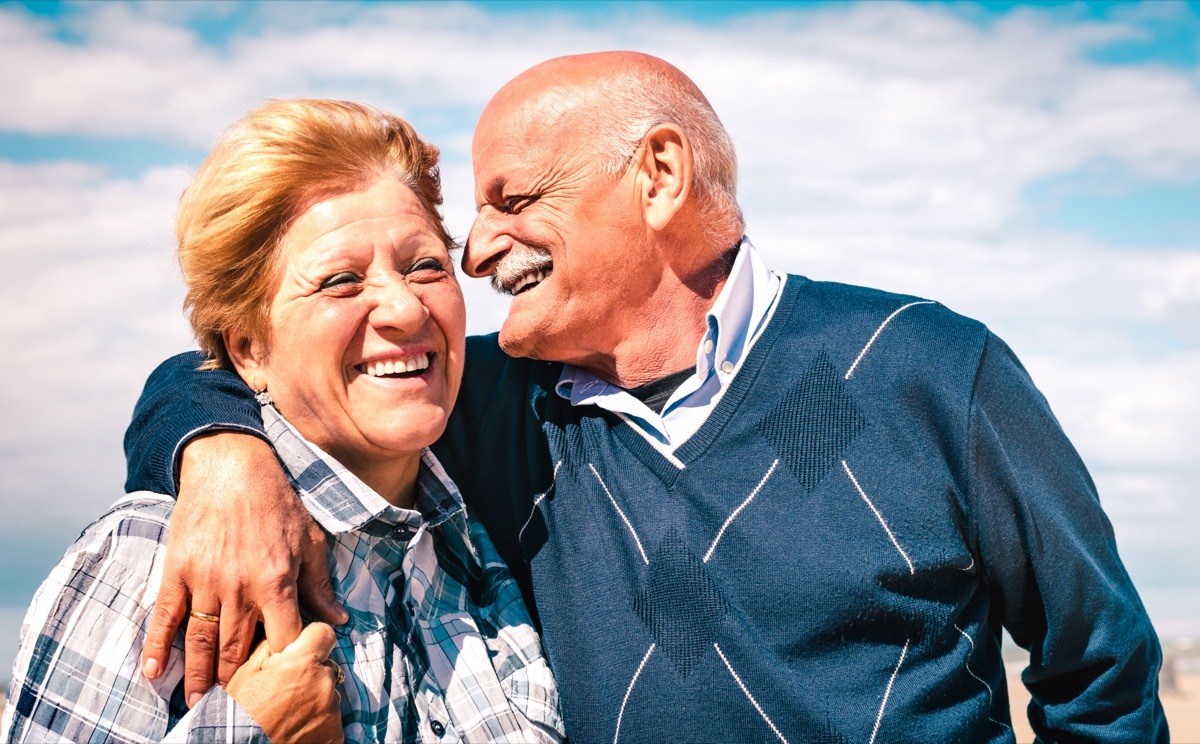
x: 864, y: 319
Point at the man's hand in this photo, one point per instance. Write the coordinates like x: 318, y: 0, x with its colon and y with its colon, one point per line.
x: 240, y: 547
x: 292, y: 695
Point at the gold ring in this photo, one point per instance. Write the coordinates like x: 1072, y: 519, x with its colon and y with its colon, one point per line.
x: 341, y: 676
x: 205, y: 616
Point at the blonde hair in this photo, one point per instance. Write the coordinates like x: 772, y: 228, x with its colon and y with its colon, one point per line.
x: 264, y: 172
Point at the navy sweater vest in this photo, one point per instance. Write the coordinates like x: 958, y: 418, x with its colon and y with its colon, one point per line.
x: 829, y: 558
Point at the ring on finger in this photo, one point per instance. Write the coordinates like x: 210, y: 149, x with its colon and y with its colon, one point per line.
x: 205, y: 616
x: 337, y: 669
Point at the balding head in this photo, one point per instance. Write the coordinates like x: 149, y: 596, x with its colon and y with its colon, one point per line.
x: 602, y: 105
x: 605, y: 188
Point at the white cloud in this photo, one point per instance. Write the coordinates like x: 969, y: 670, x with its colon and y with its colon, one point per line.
x: 885, y: 144
x: 92, y: 303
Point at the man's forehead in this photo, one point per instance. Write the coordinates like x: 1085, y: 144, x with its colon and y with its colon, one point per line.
x: 509, y: 150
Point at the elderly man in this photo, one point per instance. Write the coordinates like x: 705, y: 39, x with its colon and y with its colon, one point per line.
x: 745, y: 505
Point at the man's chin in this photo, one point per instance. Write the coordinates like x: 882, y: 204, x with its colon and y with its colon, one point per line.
x: 516, y: 340
x: 523, y: 340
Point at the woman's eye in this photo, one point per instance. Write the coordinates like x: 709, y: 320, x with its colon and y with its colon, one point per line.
x: 426, y: 264
x: 339, y: 280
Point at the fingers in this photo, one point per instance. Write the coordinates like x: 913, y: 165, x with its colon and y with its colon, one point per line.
x: 238, y: 621
x: 316, y: 641
x: 200, y: 652
x: 281, y: 616
x: 170, y: 611
x: 314, y: 584
x: 258, y: 657
x: 294, y: 696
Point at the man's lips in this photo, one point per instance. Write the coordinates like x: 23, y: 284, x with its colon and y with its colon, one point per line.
x: 521, y: 269
x: 529, y: 281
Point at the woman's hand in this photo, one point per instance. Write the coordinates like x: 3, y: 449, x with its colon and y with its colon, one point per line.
x: 241, y: 545
x: 293, y: 694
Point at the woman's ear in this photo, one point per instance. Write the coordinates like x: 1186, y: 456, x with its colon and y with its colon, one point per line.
x: 248, y: 356
x: 665, y: 173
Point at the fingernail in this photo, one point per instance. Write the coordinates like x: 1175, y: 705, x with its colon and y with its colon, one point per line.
x: 193, y: 699
x: 343, y: 615
x: 150, y: 669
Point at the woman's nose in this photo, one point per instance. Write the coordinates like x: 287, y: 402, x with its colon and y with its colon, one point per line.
x: 397, y: 306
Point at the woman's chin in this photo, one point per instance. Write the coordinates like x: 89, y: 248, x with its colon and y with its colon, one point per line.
x: 405, y: 429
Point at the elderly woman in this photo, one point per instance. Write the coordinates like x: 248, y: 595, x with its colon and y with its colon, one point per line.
x: 319, y: 269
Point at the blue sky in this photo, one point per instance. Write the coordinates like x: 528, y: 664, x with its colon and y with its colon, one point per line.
x: 1032, y: 165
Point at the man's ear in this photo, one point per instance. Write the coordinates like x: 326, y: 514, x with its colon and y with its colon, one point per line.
x: 248, y: 356
x: 665, y: 174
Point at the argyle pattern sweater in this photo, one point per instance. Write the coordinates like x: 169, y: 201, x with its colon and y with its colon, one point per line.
x: 829, y: 558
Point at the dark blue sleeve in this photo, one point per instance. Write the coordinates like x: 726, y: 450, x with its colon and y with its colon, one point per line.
x: 1051, y: 562
x: 179, y: 402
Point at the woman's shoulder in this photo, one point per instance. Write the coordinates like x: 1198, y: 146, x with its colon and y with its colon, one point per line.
x: 123, y: 545
x: 138, y: 518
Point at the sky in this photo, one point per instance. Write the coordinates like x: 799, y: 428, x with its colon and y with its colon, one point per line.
x: 1034, y: 166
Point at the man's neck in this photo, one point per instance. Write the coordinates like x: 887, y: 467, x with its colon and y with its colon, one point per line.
x: 663, y: 334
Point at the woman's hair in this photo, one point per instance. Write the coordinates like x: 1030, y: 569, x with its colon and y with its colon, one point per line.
x: 267, y: 170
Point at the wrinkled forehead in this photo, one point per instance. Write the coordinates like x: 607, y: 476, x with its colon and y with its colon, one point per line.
x: 526, y: 144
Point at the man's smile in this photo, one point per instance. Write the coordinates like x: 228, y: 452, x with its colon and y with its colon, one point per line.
x: 528, y: 281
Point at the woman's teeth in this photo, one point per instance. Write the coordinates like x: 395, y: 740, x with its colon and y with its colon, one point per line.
x: 397, y: 366
x: 528, y: 280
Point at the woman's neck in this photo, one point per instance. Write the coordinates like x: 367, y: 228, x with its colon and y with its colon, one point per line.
x: 395, y: 478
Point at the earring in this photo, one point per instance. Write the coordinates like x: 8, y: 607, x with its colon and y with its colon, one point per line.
x: 263, y: 397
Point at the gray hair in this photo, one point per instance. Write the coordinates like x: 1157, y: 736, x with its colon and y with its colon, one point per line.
x: 623, y: 107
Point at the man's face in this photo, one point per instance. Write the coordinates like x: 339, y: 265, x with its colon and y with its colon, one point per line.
x: 559, y: 237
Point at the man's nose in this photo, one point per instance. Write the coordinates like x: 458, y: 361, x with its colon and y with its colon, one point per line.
x: 486, y: 244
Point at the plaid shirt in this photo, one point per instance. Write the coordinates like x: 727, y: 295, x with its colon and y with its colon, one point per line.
x: 439, y: 646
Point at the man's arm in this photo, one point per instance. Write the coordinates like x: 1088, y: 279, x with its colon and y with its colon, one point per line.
x: 1051, y: 564
x: 242, y: 546
x: 180, y: 402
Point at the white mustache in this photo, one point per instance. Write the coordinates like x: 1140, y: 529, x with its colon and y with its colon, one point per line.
x: 517, y: 263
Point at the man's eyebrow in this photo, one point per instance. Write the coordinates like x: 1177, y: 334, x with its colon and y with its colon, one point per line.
x: 494, y: 186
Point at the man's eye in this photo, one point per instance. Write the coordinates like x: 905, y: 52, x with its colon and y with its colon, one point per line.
x: 514, y: 204
x: 340, y: 280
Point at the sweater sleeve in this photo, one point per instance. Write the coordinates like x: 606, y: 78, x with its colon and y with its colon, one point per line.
x: 181, y: 401
x: 1050, y: 560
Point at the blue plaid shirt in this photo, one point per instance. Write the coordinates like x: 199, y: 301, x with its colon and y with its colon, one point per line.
x: 439, y: 646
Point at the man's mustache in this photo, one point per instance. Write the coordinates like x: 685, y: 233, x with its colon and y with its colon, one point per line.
x: 518, y: 262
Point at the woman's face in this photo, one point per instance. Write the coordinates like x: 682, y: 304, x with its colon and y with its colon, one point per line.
x: 367, y: 330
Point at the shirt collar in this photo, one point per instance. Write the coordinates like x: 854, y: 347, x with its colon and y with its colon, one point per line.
x: 340, y: 502
x: 733, y: 322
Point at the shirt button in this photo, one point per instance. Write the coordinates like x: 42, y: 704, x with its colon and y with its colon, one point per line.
x: 708, y: 346
x: 726, y: 366
x: 437, y: 728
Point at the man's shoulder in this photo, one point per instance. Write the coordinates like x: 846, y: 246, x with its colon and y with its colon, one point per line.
x: 851, y: 306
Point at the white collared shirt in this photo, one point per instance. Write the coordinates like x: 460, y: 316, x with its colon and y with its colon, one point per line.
x: 734, y: 322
